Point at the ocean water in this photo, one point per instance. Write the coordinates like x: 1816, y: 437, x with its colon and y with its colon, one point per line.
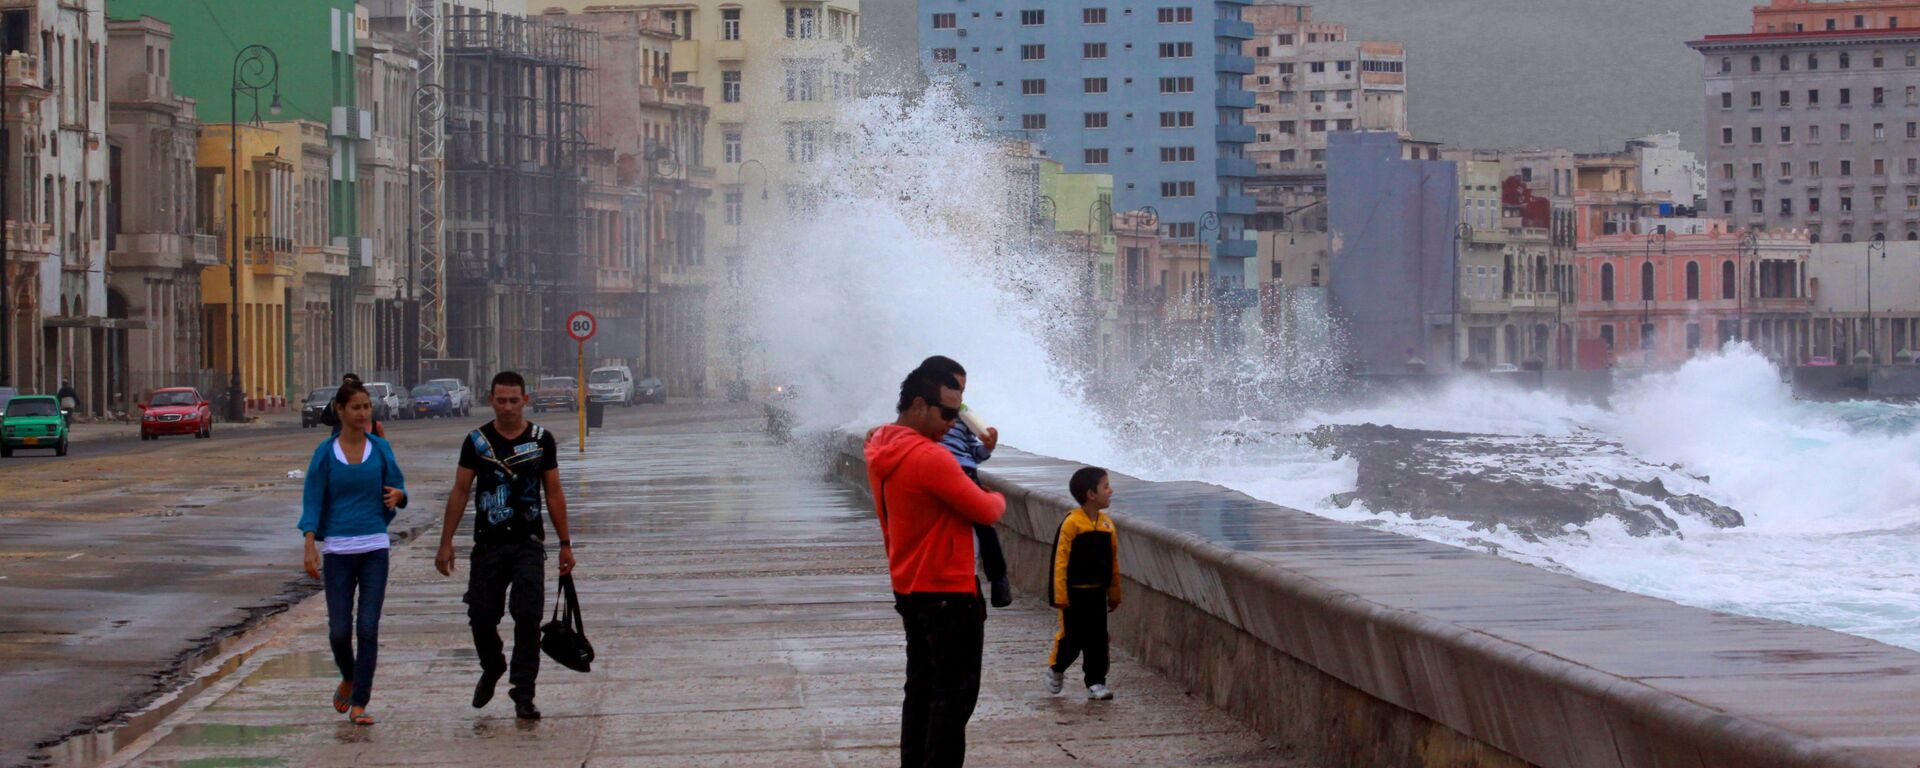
x: 919, y: 243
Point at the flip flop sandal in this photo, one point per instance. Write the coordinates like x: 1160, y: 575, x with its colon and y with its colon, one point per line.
x: 340, y: 696
x: 360, y: 717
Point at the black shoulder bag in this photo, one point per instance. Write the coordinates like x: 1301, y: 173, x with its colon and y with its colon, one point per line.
x: 564, y: 639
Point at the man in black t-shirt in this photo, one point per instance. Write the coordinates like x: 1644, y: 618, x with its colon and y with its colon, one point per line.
x: 511, y: 465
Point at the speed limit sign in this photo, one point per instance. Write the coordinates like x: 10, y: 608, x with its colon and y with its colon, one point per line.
x: 580, y: 325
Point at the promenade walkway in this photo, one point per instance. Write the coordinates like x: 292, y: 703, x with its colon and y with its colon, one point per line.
x: 740, y: 608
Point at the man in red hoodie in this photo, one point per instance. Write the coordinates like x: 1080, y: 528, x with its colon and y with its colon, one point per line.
x: 927, y: 509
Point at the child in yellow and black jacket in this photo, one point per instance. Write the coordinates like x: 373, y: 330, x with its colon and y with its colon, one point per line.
x: 1086, y: 583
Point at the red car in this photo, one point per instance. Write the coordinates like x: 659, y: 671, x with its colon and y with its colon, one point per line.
x: 176, y: 411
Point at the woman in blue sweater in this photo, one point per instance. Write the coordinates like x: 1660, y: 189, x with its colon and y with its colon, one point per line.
x: 353, y: 487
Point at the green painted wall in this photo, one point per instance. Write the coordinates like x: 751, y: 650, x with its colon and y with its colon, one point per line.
x: 314, y: 77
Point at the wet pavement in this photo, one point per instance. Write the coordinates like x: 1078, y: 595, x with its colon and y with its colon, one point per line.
x: 739, y: 605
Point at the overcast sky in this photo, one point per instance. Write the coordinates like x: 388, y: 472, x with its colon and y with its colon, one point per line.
x: 1579, y: 74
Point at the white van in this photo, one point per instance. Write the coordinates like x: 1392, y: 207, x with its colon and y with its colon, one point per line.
x: 611, y: 384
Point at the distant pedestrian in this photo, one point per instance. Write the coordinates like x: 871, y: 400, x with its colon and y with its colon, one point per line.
x: 927, y: 509
x: 69, y: 399
x: 1086, y: 583
x: 971, y: 450
x: 353, y: 486
x: 331, y: 418
x: 514, y: 463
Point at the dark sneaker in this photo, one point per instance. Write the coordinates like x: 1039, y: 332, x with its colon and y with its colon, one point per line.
x: 483, y: 692
x: 1002, y: 593
x: 525, y: 710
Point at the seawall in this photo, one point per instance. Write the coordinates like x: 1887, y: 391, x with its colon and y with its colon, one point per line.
x: 1367, y: 648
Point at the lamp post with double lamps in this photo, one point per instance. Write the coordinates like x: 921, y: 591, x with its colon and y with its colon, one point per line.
x: 256, y: 68
x: 1462, y: 233
x: 654, y: 156
x: 1648, y: 283
x: 1749, y: 253
x: 736, y: 277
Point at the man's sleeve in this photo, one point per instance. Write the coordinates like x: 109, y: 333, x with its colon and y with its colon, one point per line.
x: 1113, y: 586
x: 469, y: 458
x: 549, y: 453
x: 945, y: 481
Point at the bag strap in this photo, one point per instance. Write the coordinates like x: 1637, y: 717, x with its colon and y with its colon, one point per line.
x: 571, y: 599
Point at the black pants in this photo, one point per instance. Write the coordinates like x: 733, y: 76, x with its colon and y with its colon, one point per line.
x: 508, y: 578
x: 993, y: 561
x: 1083, y: 629
x: 945, y: 635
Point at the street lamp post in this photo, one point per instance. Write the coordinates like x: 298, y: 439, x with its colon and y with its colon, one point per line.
x: 1878, y: 243
x: 6, y: 180
x: 255, y: 68
x: 735, y: 278
x: 1647, y: 285
x: 435, y: 98
x: 1462, y: 233
x: 1749, y: 244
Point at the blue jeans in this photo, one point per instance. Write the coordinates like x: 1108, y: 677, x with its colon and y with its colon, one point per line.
x: 366, y: 572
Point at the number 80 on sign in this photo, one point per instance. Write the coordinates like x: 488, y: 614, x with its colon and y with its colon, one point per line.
x: 580, y: 326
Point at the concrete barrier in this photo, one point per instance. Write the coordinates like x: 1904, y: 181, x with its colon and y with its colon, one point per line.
x: 1364, y: 648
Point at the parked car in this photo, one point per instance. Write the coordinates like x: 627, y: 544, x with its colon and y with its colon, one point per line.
x: 176, y: 411
x: 650, y: 390
x: 1820, y: 361
x: 458, y: 394
x: 1504, y: 368
x: 611, y: 384
x: 33, y: 421
x: 314, y: 405
x: 402, y: 403
x: 556, y: 392
x: 386, y: 402
x: 430, y: 400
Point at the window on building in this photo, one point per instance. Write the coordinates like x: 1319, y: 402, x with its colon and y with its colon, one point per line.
x: 1181, y: 229
x: 1285, y: 68
x: 1879, y: 60
x: 800, y: 144
x: 1093, y: 50
x: 1176, y: 154
x: 1176, y: 85
x: 1879, y: 131
x: 1343, y: 95
x: 1343, y: 66
x: 1033, y: 18
x: 1846, y: 60
x: 1176, y: 50
x: 1317, y: 97
x: 1033, y: 87
x: 1753, y: 64
x: 1879, y: 97
x: 1094, y: 85
x: 1033, y: 52
x: 1606, y: 331
x: 1179, y: 15
x: 730, y: 86
x: 940, y: 21
x: 1728, y: 279
x: 1262, y: 52
x: 1756, y: 133
x: 1786, y: 169
x: 1846, y: 204
x: 800, y: 23
x: 1097, y: 156
x: 1786, y: 99
x: 1786, y: 64
x: 1693, y: 336
x: 1726, y: 101
x: 1317, y: 67
x: 1176, y: 119
x: 1726, y: 135
x: 1606, y: 284
x: 1033, y: 122
x: 1813, y: 132
x: 1726, y: 170
x: 1846, y: 96
x: 1913, y: 95
x: 733, y: 209
x: 1879, y: 166
x: 803, y: 79
x: 1093, y: 120
x: 1913, y: 130
x: 1177, y: 189
x: 1753, y: 99
x: 1813, y: 204
x: 730, y: 147
x: 1343, y: 125
x: 1757, y: 205
x: 1754, y: 171
x: 1726, y: 64
x: 945, y: 55
x: 1786, y: 134
x: 1093, y: 15
x: 1285, y: 127
x: 1786, y: 206
x: 730, y: 23
x: 1813, y: 97
x: 1317, y: 126
x: 1693, y: 281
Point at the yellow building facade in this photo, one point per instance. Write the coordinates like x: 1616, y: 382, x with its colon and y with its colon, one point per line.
x: 267, y: 265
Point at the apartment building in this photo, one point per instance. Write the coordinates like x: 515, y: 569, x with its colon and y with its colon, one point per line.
x: 1814, y: 120
x: 1311, y: 79
x: 1152, y: 95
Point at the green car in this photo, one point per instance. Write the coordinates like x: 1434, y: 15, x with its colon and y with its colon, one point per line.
x: 33, y: 421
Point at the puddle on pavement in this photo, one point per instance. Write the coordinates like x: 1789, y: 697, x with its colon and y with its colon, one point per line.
x: 227, y: 735
x: 295, y: 665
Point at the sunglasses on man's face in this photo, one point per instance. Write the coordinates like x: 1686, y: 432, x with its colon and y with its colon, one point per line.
x: 948, y: 414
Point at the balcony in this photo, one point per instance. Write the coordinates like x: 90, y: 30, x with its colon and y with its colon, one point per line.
x: 1234, y: 205
x: 23, y: 70
x: 29, y: 238
x: 1237, y: 249
x: 206, y: 250
x: 1227, y: 62
x: 140, y: 87
x: 1233, y: 99
x: 1238, y: 30
x: 323, y: 261
x: 730, y: 50
x: 686, y: 53
x: 1233, y: 134
x: 1229, y: 167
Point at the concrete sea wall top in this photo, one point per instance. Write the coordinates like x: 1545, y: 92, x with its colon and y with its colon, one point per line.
x: 1549, y: 668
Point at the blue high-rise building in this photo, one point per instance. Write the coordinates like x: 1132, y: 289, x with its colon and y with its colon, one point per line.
x: 1148, y: 92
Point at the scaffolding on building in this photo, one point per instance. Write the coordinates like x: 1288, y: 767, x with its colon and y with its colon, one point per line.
x: 517, y: 113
